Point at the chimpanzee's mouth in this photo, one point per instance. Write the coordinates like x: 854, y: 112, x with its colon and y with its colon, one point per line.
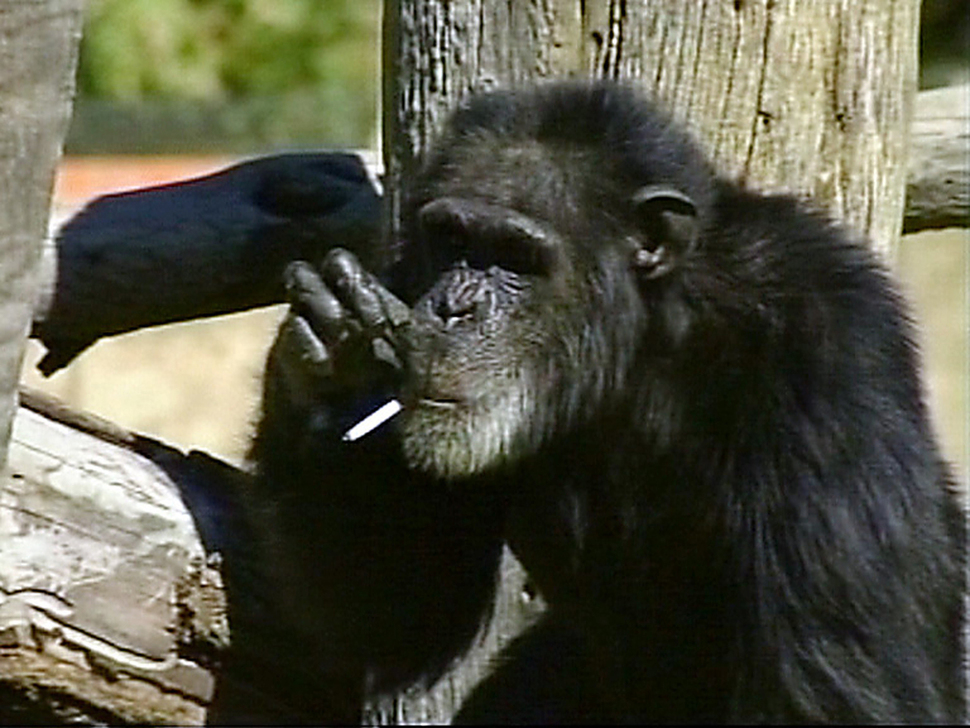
x: 439, y: 403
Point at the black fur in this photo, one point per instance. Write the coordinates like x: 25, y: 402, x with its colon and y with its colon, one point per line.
x: 694, y: 414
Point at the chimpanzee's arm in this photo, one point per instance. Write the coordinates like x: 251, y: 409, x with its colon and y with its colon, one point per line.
x: 385, y: 572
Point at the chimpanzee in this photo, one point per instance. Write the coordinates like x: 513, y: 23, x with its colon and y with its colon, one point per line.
x: 693, y: 411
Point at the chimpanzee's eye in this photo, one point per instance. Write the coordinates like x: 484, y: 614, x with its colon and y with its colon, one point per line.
x: 483, y: 235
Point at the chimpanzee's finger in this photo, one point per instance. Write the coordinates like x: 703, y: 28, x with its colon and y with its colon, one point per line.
x: 379, y: 311
x: 299, y: 361
x: 356, y: 289
x: 397, y: 313
x: 300, y: 346
x: 313, y: 300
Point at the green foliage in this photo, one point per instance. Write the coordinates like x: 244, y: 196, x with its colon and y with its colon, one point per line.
x: 278, y: 70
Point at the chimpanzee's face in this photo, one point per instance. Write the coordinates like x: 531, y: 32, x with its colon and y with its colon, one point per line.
x: 531, y: 303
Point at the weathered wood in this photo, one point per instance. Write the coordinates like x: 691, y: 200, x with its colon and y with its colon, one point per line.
x: 124, y: 563
x: 938, y: 187
x: 800, y: 96
x: 108, y: 600
x: 38, y: 53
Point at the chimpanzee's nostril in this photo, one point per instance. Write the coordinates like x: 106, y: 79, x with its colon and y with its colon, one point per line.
x: 464, y: 294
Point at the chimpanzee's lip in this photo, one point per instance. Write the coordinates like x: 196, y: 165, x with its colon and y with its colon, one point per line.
x: 439, y: 402
x: 431, y: 399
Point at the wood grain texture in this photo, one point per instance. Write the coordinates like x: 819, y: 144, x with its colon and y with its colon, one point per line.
x: 106, y: 592
x: 938, y: 187
x: 810, y: 97
x: 38, y: 54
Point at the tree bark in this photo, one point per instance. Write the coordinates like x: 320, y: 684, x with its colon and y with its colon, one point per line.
x: 810, y: 97
x: 38, y: 53
x: 112, y: 601
x: 103, y: 577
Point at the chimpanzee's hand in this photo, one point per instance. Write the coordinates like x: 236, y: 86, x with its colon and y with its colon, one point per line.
x: 344, y: 331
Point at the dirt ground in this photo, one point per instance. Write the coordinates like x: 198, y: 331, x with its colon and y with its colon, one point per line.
x: 196, y: 385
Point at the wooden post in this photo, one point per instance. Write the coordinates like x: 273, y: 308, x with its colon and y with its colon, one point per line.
x: 812, y: 98
x: 38, y: 53
x: 800, y: 96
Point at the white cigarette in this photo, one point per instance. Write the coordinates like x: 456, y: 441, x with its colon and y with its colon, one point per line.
x: 373, y: 421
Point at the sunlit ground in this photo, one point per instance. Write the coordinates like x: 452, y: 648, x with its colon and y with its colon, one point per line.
x: 934, y: 269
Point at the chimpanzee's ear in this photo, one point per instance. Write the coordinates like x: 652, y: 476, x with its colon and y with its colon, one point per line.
x: 668, y: 221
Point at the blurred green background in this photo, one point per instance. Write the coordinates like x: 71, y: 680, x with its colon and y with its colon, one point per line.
x: 232, y: 76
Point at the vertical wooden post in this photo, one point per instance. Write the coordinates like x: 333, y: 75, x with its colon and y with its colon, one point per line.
x: 811, y: 97
x: 38, y: 53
